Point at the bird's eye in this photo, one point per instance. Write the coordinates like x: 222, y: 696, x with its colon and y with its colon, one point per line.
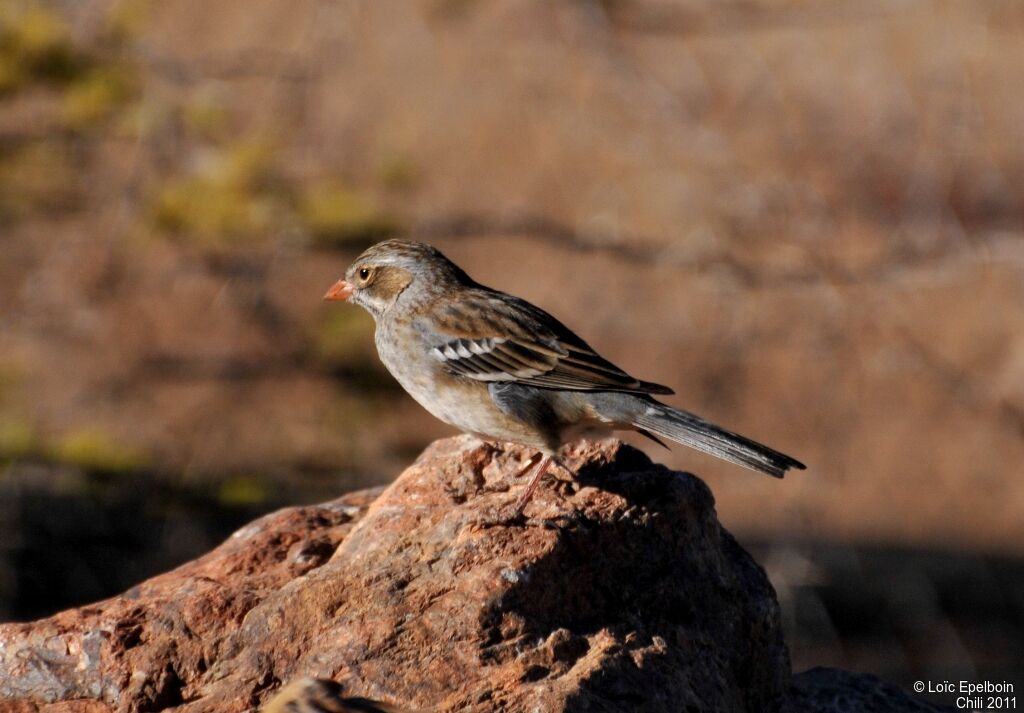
x: 364, y: 274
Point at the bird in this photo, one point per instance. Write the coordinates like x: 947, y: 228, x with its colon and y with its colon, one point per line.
x: 497, y: 367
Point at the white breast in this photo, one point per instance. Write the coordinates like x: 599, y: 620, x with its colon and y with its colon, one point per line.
x: 422, y: 376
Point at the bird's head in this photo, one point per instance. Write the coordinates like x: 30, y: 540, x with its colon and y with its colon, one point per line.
x: 393, y: 270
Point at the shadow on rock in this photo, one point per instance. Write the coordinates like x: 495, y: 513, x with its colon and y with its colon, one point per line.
x: 647, y: 582
x: 622, y: 592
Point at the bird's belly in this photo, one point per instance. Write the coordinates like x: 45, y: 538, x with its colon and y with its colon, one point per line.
x: 593, y: 430
x: 462, y: 403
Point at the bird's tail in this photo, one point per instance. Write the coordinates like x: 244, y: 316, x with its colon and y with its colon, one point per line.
x: 695, y: 432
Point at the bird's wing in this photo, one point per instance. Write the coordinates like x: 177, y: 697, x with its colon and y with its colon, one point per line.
x: 490, y: 336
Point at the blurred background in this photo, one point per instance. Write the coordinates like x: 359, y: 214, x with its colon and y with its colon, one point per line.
x: 807, y: 217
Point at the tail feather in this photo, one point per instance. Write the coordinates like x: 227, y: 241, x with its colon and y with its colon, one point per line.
x: 695, y: 432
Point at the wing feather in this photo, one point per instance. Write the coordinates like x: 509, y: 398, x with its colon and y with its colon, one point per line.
x: 530, y: 347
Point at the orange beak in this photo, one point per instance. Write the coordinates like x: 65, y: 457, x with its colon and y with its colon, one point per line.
x: 339, y: 292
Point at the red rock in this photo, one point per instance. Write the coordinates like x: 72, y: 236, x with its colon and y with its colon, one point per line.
x: 143, y: 649
x: 622, y: 592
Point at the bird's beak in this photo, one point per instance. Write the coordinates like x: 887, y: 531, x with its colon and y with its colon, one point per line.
x: 339, y: 292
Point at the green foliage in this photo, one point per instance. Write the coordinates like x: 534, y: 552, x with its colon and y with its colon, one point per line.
x: 17, y: 439
x: 95, y: 96
x: 233, y: 197
x: 35, y: 45
x: 93, y: 450
x: 88, y: 86
x: 242, y: 490
x: 36, y: 48
x: 237, y: 195
x: 337, y: 216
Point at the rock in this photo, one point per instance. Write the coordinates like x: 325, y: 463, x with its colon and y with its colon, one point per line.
x: 321, y: 695
x: 830, y: 690
x: 621, y: 592
x: 142, y: 649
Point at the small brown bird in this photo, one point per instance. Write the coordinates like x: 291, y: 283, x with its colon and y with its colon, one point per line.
x: 502, y: 369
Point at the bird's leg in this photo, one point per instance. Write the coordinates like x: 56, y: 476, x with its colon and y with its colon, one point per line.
x: 529, y: 465
x: 541, y: 469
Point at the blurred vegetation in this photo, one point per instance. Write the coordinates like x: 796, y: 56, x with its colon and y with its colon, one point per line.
x: 17, y: 439
x: 89, y: 450
x: 94, y: 451
x: 343, y: 336
x: 218, y: 191
x: 125, y: 19
x: 205, y: 114
x: 342, y: 344
x: 72, y: 88
x: 35, y: 46
x: 337, y: 216
x: 17, y: 435
x: 237, y: 194
x: 764, y: 151
x: 96, y: 96
x: 93, y: 462
x: 241, y: 490
x: 234, y: 195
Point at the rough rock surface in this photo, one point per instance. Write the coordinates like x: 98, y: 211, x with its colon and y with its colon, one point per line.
x: 831, y: 690
x: 620, y: 592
